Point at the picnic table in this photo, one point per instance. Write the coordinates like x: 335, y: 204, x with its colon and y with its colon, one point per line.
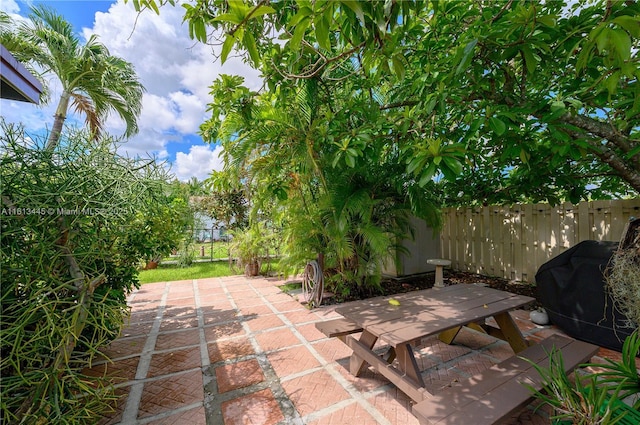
x: 486, y: 398
x: 436, y: 311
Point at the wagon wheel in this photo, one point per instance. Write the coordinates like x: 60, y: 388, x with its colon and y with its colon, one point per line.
x: 313, y: 284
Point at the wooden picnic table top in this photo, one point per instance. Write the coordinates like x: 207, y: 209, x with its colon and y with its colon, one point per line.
x: 430, y: 311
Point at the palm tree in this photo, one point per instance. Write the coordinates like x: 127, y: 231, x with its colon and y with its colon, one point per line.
x: 94, y: 82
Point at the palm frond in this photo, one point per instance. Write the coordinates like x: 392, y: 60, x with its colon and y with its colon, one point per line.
x: 83, y: 105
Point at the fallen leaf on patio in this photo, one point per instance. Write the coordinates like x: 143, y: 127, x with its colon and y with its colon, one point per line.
x: 393, y: 301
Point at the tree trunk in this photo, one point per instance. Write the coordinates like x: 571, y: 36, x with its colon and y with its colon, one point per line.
x: 59, y: 119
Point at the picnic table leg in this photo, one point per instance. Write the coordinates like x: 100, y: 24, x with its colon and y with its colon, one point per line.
x: 390, y: 355
x: 356, y: 364
x: 511, y: 332
x: 408, y: 364
x: 448, y: 336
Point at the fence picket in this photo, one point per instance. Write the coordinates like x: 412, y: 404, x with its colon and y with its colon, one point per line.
x: 514, y: 242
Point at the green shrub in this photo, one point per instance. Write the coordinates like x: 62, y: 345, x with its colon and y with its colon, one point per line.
x: 65, y: 269
x: 592, y: 398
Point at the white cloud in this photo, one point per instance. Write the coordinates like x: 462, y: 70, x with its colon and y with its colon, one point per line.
x: 9, y: 6
x: 199, y: 162
x: 176, y: 72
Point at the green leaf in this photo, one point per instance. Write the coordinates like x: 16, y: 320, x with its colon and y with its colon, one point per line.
x: 281, y: 194
x: 433, y: 100
x: 611, y: 82
x: 198, y: 30
x: 335, y: 161
x: 557, y: 105
x: 228, y: 17
x: 262, y: 10
x: 453, y: 164
x: 497, y: 125
x: 584, y: 56
x: 427, y: 175
x: 298, y: 34
x: 548, y: 20
x: 250, y: 44
x: 467, y: 55
x: 350, y: 161
x: 524, y: 156
x: 415, y: 163
x: 356, y: 7
x: 621, y: 42
x: 629, y: 23
x: 304, y: 12
x: 530, y: 59
x: 398, y: 66
x: 322, y: 32
x: 602, y: 40
x: 226, y: 47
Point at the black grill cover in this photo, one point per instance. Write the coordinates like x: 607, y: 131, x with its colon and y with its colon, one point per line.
x: 571, y: 289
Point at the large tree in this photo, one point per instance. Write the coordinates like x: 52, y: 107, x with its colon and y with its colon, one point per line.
x: 542, y: 97
x: 94, y: 82
x: 323, y: 166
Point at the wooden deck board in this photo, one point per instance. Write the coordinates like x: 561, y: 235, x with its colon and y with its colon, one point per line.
x: 433, y: 322
x: 338, y: 327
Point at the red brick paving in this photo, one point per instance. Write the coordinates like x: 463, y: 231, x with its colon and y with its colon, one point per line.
x: 310, y: 332
x: 260, y: 347
x: 166, y: 341
x: 300, y: 316
x: 266, y: 321
x: 332, y: 350
x: 120, y: 370
x: 238, y: 375
x: 194, y: 416
x: 273, y: 340
x: 255, y: 310
x: 395, y: 407
x: 125, y: 346
x: 170, y: 393
x: 212, y: 317
x: 174, y: 361
x: 259, y: 408
x: 229, y: 349
x: 367, y: 381
x: 353, y: 414
x: 137, y: 329
x: 229, y: 330
x: 184, y: 311
x: 292, y: 360
x: 175, y: 323
x: 314, y: 391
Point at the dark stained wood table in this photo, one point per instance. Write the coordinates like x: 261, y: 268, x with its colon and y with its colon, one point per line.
x: 436, y: 311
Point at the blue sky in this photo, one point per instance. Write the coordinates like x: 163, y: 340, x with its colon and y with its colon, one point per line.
x: 175, y: 71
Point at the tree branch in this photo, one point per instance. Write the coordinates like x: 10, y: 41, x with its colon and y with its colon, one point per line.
x: 599, y: 129
x: 246, y: 18
x: 610, y: 158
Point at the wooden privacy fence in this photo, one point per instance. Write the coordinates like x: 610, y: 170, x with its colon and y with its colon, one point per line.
x: 514, y: 241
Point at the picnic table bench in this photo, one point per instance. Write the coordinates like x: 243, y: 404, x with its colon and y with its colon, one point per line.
x: 501, y: 391
x: 443, y: 312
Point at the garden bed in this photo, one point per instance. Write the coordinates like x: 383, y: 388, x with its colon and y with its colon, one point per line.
x: 451, y: 277
x: 392, y: 286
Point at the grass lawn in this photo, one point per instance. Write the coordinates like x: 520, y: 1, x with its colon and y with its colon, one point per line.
x: 172, y: 273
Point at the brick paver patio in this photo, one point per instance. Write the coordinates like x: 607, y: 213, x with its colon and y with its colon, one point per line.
x: 239, y: 351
